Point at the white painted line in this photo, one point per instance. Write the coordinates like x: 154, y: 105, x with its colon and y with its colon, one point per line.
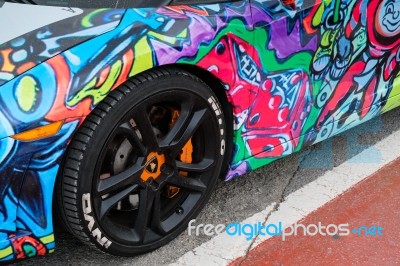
x: 223, y: 248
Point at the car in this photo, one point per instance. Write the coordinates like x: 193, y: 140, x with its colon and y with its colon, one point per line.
x: 121, y: 115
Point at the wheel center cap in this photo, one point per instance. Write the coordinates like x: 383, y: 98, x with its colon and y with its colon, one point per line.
x: 152, y: 168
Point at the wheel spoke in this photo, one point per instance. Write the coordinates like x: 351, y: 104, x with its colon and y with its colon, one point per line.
x: 200, y: 167
x: 146, y: 129
x: 192, y: 184
x: 121, y: 180
x: 176, y: 141
x: 180, y: 124
x: 156, y: 217
x: 108, y: 203
x: 146, y: 199
x: 127, y: 131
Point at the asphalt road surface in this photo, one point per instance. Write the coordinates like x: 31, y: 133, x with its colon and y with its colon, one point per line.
x: 241, y: 198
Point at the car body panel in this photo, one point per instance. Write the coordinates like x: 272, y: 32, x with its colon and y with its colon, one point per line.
x: 28, y: 43
x: 351, y: 67
x: 294, y: 77
x: 67, y: 87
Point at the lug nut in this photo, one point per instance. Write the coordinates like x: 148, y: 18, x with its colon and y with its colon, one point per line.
x: 179, y: 210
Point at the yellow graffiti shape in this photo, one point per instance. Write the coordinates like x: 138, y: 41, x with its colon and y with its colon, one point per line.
x: 97, y: 94
x: 143, y: 57
x: 317, y: 19
x: 26, y: 93
x: 393, y: 100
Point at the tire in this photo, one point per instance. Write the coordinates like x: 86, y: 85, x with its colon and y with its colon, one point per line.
x: 143, y: 163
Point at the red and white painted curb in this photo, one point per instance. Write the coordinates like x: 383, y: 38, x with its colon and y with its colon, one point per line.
x: 338, y: 196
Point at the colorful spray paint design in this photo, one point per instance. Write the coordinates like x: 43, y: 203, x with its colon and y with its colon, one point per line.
x: 352, y: 72
x: 28, y: 170
x: 293, y: 77
x: 359, y: 51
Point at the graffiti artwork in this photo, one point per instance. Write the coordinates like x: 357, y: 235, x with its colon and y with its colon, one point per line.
x: 293, y: 74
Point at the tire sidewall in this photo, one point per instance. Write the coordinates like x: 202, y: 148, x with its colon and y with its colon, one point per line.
x: 133, y: 94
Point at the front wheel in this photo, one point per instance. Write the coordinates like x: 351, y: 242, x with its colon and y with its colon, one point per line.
x: 144, y: 163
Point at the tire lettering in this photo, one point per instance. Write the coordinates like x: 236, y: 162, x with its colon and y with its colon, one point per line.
x: 86, y: 205
x: 218, y: 112
x: 89, y: 219
x: 215, y: 106
x: 222, y: 147
x: 96, y: 233
x: 102, y: 240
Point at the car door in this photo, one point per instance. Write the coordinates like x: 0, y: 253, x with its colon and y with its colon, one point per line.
x: 327, y: 66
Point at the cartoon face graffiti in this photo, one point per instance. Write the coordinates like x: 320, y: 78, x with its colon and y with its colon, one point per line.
x: 387, y: 22
x: 382, y: 24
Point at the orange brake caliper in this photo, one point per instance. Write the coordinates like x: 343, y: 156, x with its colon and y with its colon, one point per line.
x: 185, y: 156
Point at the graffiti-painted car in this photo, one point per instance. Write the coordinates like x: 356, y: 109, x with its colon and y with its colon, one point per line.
x: 124, y: 118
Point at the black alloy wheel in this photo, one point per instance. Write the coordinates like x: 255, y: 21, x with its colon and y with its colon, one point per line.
x: 144, y: 163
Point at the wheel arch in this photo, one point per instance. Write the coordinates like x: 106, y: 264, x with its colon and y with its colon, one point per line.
x: 73, y: 210
x: 216, y: 86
